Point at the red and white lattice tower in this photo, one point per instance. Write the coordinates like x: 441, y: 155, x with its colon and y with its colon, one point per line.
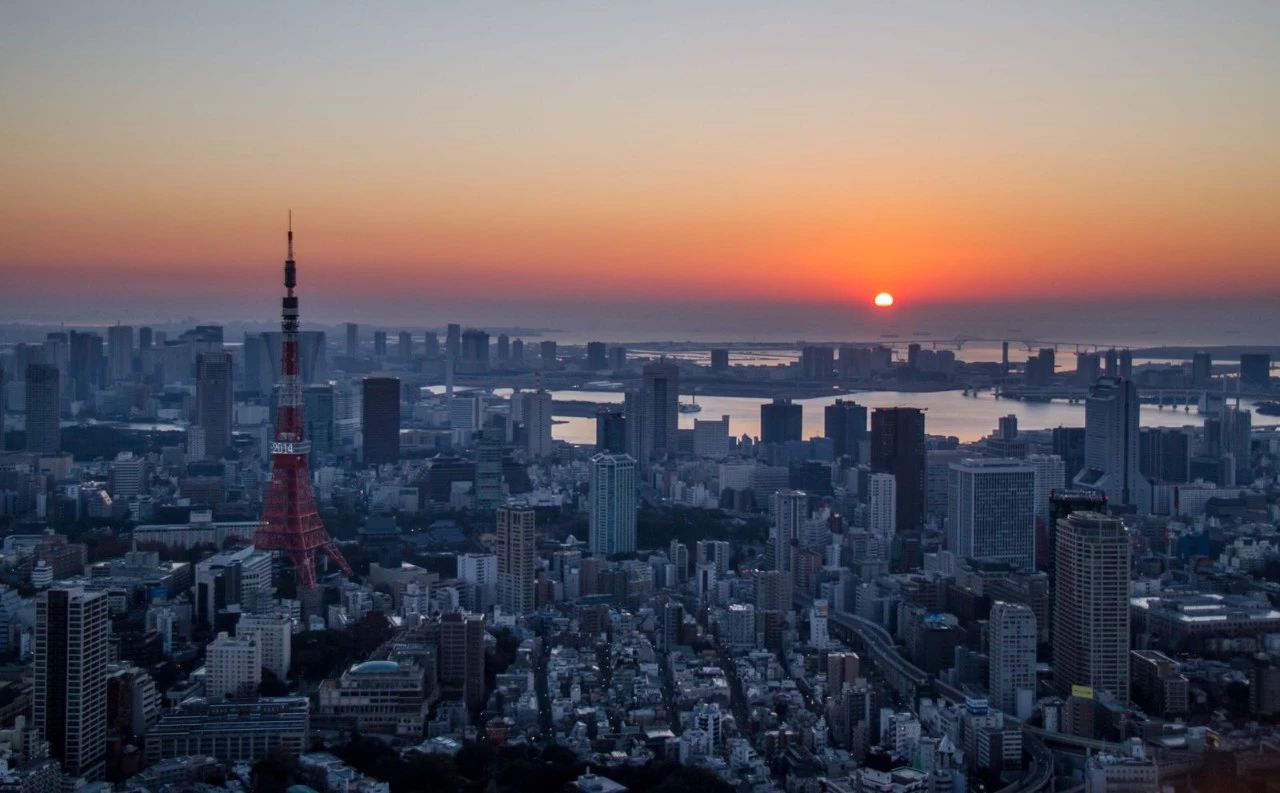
x: 290, y: 522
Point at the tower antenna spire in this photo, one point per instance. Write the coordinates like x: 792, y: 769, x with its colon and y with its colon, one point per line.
x: 290, y: 235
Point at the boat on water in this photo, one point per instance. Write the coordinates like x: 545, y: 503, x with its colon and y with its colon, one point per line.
x: 690, y: 407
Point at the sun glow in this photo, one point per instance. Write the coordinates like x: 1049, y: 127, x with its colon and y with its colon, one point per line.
x: 884, y: 300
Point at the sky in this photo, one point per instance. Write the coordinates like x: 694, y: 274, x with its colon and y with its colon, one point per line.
x: 760, y: 164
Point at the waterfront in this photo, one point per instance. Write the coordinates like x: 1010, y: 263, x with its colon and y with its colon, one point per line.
x: 947, y: 413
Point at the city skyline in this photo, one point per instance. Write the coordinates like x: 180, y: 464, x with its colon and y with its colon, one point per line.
x: 624, y: 157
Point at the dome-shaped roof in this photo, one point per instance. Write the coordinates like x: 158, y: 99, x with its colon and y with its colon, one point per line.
x: 376, y: 667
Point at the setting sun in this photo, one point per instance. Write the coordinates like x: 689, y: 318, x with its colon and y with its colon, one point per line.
x: 884, y: 300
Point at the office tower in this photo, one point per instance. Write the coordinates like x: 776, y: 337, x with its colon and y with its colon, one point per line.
x: 1164, y: 454
x: 1050, y: 473
x: 461, y: 657
x: 817, y: 363
x: 145, y: 337
x: 43, y: 409
x: 475, y: 352
x: 659, y: 410
x: 613, y: 504
x: 4, y: 405
x: 882, y: 505
x: 1068, y: 443
x: 380, y: 344
x: 845, y: 423
x: 1011, y: 680
x: 597, y: 356
x: 618, y: 358
x: 353, y: 340
x: 431, y: 345
x: 290, y: 522
x: 1126, y: 364
x: 479, y: 571
x: 536, y: 415
x: 715, y: 552
x: 1088, y: 368
x: 780, y: 421
x: 1091, y: 605
x: 611, y: 431
x: 719, y: 360
x: 503, y: 351
x: 791, y: 510
x: 1111, y: 444
x: 128, y: 476
x: 991, y: 510
x: 517, y: 350
x: 464, y: 412
x: 86, y: 364
x: 119, y: 352
x: 255, y: 365
x: 1201, y: 369
x: 711, y: 438
x: 1007, y: 427
x: 453, y: 341
x: 69, y: 697
x: 516, y: 557
x: 318, y: 410
x: 547, y: 354
x: 678, y: 553
x: 380, y: 419
x: 214, y: 401
x: 273, y: 633
x: 897, y: 447
x: 404, y: 345
x: 234, y: 668
x: 489, y: 453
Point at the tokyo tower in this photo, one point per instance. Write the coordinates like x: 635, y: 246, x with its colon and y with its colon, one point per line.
x: 290, y: 522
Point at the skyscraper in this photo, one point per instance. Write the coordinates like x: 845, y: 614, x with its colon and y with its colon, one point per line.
x: 780, y: 421
x: 991, y: 510
x: 214, y: 401
x: 43, y: 409
x: 536, y: 410
x: 659, y: 410
x: 897, y: 447
x: 119, y: 352
x: 404, y: 345
x: 353, y: 340
x: 380, y: 419
x: 1011, y: 678
x: 516, y: 534
x: 791, y: 510
x: 318, y: 411
x: 453, y: 340
x: 1111, y: 447
x: 85, y: 364
x: 1091, y: 604
x: 461, y: 654
x: 611, y: 431
x: 845, y: 423
x: 1255, y: 370
x: 613, y: 504
x: 380, y: 344
x: 597, y: 355
x: 69, y: 699
x: 234, y: 667
x: 882, y: 506
x: 488, y: 482
x: 475, y: 352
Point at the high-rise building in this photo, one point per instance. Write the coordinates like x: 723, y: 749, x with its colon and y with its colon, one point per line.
x: 780, y: 421
x: 516, y: 535
x: 380, y: 419
x: 1201, y: 369
x: 4, y: 405
x: 611, y: 431
x: 431, y: 345
x: 119, y: 352
x: 536, y: 415
x: 1050, y: 475
x: 517, y: 350
x: 597, y: 355
x: 791, y: 510
x: 1164, y: 454
x: 489, y: 454
x: 547, y: 354
x: 1068, y: 443
x: 1111, y: 448
x: 617, y: 358
x: 659, y: 410
x: 318, y: 412
x: 1255, y: 370
x: 86, y: 364
x: 1091, y: 604
x: 234, y: 667
x: 1011, y: 678
x: 69, y: 698
x: 475, y: 352
x: 715, y: 552
x: 273, y: 633
x: 353, y: 340
x: 845, y: 423
x: 461, y: 657
x: 897, y: 447
x: 42, y: 410
x: 214, y: 401
x: 404, y: 345
x: 720, y: 360
x: 612, y: 504
x: 991, y: 511
x: 453, y: 340
x: 882, y: 505
x: 711, y: 438
x: 503, y: 350
x: 817, y: 363
x: 380, y: 344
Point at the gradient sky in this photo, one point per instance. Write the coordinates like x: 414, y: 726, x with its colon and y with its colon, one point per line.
x: 449, y: 154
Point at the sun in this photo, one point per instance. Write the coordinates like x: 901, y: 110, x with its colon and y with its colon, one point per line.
x: 884, y: 300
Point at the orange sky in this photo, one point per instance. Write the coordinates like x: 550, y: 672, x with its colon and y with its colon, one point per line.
x: 737, y: 152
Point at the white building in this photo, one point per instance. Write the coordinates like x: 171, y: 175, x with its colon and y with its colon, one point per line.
x: 711, y: 438
x: 233, y: 667
x: 1012, y: 668
x: 819, y: 615
x: 1111, y: 451
x: 882, y: 515
x: 991, y: 511
x: 535, y: 414
x: 479, y: 571
x: 273, y: 634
